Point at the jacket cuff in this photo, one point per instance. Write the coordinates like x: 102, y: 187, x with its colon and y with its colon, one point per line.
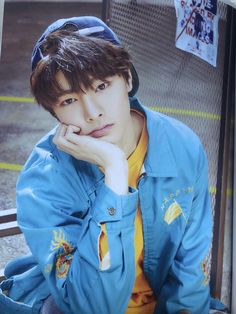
x: 110, y: 207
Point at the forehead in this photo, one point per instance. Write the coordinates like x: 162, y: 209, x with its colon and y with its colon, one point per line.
x: 66, y: 87
x: 62, y: 81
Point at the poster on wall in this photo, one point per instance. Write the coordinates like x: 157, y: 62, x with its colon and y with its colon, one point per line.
x: 197, y: 28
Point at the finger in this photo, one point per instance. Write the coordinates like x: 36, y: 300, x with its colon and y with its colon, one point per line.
x: 61, y: 131
x: 66, y: 146
x: 73, y: 129
x: 81, y: 141
x: 73, y: 134
x: 55, y: 137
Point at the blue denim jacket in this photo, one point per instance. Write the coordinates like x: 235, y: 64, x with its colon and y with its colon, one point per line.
x: 62, y: 202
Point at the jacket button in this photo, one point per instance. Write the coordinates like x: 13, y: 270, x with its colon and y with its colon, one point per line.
x: 111, y: 211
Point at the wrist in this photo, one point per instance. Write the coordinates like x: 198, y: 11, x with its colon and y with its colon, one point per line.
x: 116, y: 177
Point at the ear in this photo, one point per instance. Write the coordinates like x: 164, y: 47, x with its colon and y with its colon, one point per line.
x: 129, y: 83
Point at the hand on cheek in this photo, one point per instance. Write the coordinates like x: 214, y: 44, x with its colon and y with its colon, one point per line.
x: 72, y: 129
x: 96, y: 151
x: 87, y: 148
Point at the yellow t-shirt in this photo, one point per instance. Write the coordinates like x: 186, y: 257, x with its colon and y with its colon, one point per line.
x: 142, y: 300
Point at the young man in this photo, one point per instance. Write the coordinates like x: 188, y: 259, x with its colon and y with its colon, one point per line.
x: 113, y: 202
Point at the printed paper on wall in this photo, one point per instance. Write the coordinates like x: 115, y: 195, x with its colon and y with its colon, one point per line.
x: 197, y: 28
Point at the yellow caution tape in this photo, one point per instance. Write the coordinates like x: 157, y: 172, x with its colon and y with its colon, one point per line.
x: 17, y: 99
x: 185, y: 112
x: 212, y: 190
x: 7, y: 166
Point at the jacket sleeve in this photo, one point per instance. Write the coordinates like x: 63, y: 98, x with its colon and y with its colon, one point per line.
x: 186, y: 287
x: 62, y: 227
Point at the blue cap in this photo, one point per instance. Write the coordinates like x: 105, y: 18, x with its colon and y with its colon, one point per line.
x: 87, y: 26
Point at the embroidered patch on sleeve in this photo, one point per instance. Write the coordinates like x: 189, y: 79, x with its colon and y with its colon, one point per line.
x: 64, y: 256
x: 205, y: 266
x: 173, y: 211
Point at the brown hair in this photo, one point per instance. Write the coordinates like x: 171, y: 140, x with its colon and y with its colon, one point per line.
x: 81, y: 59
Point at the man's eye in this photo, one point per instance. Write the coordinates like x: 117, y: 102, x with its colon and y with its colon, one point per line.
x: 68, y: 101
x: 101, y: 86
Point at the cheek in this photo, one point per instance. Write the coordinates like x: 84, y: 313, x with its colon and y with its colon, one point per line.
x: 69, y: 117
x: 118, y: 99
x: 122, y: 110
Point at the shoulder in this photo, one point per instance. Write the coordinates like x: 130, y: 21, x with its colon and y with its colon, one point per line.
x: 46, y: 157
x: 164, y: 127
x: 181, y: 142
x: 42, y: 151
x: 176, y: 131
x: 50, y: 184
x: 47, y: 168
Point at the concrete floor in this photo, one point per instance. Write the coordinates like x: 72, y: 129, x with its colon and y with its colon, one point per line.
x: 22, y: 124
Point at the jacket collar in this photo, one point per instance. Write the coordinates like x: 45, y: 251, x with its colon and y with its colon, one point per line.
x: 160, y: 160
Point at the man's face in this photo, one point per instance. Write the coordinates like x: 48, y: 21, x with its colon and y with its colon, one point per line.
x: 101, y: 112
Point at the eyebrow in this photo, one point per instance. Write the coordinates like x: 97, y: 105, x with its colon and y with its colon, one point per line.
x: 65, y: 92
x: 70, y: 91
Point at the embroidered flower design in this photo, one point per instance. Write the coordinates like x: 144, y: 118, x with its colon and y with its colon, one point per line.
x: 64, y: 257
x: 205, y: 266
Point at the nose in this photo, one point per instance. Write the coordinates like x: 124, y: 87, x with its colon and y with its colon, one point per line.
x: 92, y: 110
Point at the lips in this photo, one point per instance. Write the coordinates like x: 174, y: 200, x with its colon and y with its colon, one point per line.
x: 104, y: 130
